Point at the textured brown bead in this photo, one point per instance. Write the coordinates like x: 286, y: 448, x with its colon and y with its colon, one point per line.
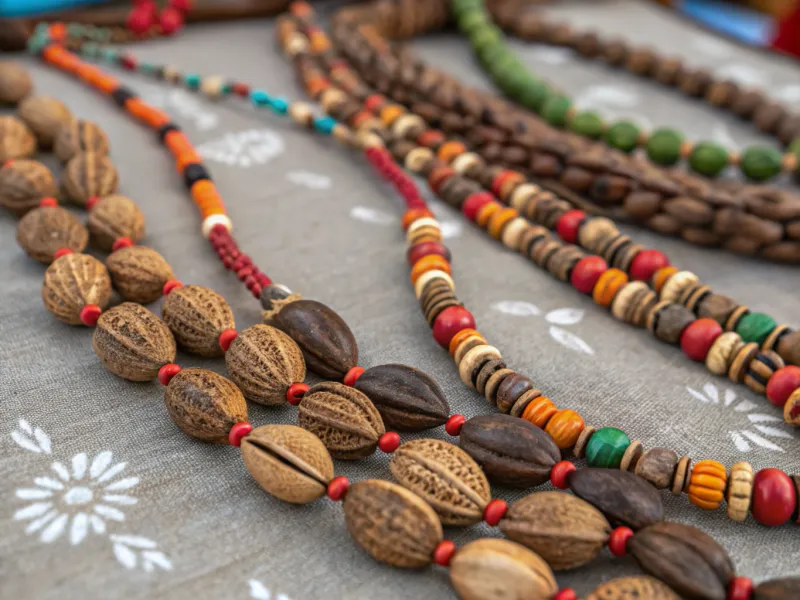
x: 139, y: 273
x: 392, y: 524
x: 667, y: 322
x: 16, y: 140
x: 789, y: 348
x: 72, y: 282
x: 511, y: 388
x: 657, y: 466
x: 132, y: 342
x: 45, y: 116
x: 44, y: 231
x: 89, y: 175
x: 24, y: 183
x: 492, y: 569
x: 264, y: 362
x: 717, y: 307
x: 633, y: 588
x: 197, y: 316
x: 79, y: 136
x: 621, y: 496
x: 204, y: 404
x: 288, y: 462
x: 739, y: 491
x: 113, y: 217
x: 15, y: 83
x: 681, y: 477
x: 787, y: 588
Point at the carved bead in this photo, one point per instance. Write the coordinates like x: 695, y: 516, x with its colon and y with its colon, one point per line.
x: 113, y: 217
x: 197, y: 316
x: 87, y: 175
x: 16, y: 140
x: 633, y: 588
x: 72, y: 282
x: 740, y: 491
x: 45, y: 116
x: 139, y: 273
x: 15, y: 83
x: 44, y: 231
x: 24, y: 183
x: 707, y: 484
x: 79, y: 136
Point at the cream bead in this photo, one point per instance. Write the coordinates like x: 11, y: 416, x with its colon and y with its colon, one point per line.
x: 171, y: 74
x: 521, y: 194
x: 211, y: 86
x: 427, y: 277
x: 408, y: 124
x: 296, y: 44
x: 369, y: 139
x: 212, y: 221
x: 621, y: 306
x: 512, y: 232
x: 675, y: 285
x: 417, y: 158
x: 331, y: 98
x: 463, y: 162
x: 301, y: 113
x: 476, y: 357
x: 740, y: 491
x: 424, y: 222
x: 722, y: 352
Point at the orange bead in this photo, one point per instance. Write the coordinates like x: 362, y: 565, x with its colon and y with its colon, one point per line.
x: 186, y: 157
x: 144, y: 112
x: 300, y: 9
x: 460, y: 337
x: 390, y: 113
x: 58, y: 31
x: 539, y: 411
x: 707, y: 484
x: 449, y: 150
x: 661, y: 276
x: 486, y: 213
x: 499, y: 220
x: 360, y: 118
x: 608, y: 285
x: 564, y: 427
x: 429, y: 263
x: 319, y: 42
x: 316, y: 86
x: 413, y: 214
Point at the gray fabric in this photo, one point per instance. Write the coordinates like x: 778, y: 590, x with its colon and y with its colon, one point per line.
x: 341, y: 244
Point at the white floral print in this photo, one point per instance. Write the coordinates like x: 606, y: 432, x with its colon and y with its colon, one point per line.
x: 313, y: 181
x: 559, y: 316
x: 244, y: 149
x: 259, y: 591
x: 449, y: 228
x: 185, y: 105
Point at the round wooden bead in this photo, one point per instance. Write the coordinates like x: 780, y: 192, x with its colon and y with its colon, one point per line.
x: 211, y: 86
x: 587, y: 272
x: 668, y: 321
x: 761, y: 369
x: 16, y: 140
x: 139, y: 273
x: 755, y: 327
x: 89, y: 175
x: 681, y: 476
x: 774, y: 497
x: 197, y: 316
x: 741, y: 362
x: 657, y: 466
x: 72, y: 282
x: 15, y: 83
x: 113, y: 217
x: 470, y: 365
x: 449, y: 322
x: 44, y: 231
x: 782, y: 384
x: 740, y: 490
x: 607, y: 286
x: 788, y: 347
x: 23, y: 184
x: 606, y: 447
x: 45, y: 116
x: 539, y: 411
x: 698, y: 337
x: 722, y: 352
x: 79, y: 136
x: 674, y: 287
x: 564, y: 427
x: 707, y: 484
x: 646, y: 263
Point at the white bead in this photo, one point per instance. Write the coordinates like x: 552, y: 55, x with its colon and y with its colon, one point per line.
x: 417, y: 158
x: 212, y: 221
x: 301, y: 113
x: 296, y: 44
x: 512, y: 232
x: 676, y: 284
x: 521, y: 195
x: 463, y: 162
x: 427, y: 276
x: 211, y: 86
x: 423, y: 222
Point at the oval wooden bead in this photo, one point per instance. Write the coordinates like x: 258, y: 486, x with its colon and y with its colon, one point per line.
x: 113, y: 217
x: 46, y: 230
x: 328, y: 345
x: 392, y: 524
x: 45, y: 116
x: 620, y: 495
x: 132, y: 342
x: 139, y: 273
x: 204, y: 404
x: 343, y: 418
x: 15, y: 82
x: 72, y: 282
x: 89, y: 175
x: 657, y: 466
x: 564, y: 530
x: 633, y: 588
x: 690, y: 562
x: 288, y: 462
x: 79, y: 136
x: 16, y: 140
x: 197, y: 316
x: 787, y: 588
x: 24, y: 183
x: 445, y: 476
x: 492, y: 569
x: 264, y: 362
x: 407, y: 398
x: 512, y: 452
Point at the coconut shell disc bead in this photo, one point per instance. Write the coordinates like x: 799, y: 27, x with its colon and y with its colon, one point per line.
x: 23, y: 184
x: 89, y: 175
x: 72, y: 282
x: 139, y: 273
x: 45, y: 116
x: 113, y: 217
x: 16, y: 140
x: 79, y: 136
x: 197, y: 316
x: 46, y: 230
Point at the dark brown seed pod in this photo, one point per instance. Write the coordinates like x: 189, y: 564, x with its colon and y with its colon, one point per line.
x: 686, y: 559
x: 197, y: 316
x: 45, y: 116
x: 114, y: 217
x: 132, y: 342
x: 23, y: 184
x: 16, y: 140
x: 139, y: 273
x: 393, y: 525
x: 343, y: 418
x: 564, y: 530
x: 44, y: 231
x: 15, y: 83
x: 327, y: 343
x: 640, y: 587
x: 511, y: 451
x: 407, y: 398
x: 264, y: 362
x: 204, y: 404
x: 620, y: 495
x: 89, y: 175
x: 787, y: 588
x: 72, y: 282
x: 79, y: 136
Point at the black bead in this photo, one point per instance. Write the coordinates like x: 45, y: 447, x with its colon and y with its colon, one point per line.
x: 121, y: 95
x: 193, y: 173
x: 165, y: 129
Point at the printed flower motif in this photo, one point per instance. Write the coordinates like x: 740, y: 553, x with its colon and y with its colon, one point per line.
x: 559, y: 316
x: 313, y: 181
x: 450, y: 229
x: 185, y: 105
x: 746, y: 75
x: 131, y: 550
x: 743, y: 438
x: 260, y: 592
x: 244, y: 149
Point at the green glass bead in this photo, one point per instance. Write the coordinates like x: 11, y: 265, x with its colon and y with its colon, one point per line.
x: 755, y: 327
x: 534, y: 95
x: 471, y: 21
x: 606, y: 448
x: 587, y: 123
x: 761, y: 162
x: 708, y: 158
x: 623, y: 135
x: 555, y: 110
x: 485, y: 36
x: 488, y: 55
x: 461, y: 7
x: 664, y: 146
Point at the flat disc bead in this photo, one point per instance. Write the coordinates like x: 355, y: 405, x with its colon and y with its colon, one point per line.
x: 607, y: 447
x: 760, y: 370
x: 471, y: 363
x: 740, y: 491
x: 430, y: 276
x: 449, y: 322
x: 698, y: 337
x: 513, y: 232
x: 722, y: 352
x: 675, y: 285
x: 774, y: 497
x: 419, y: 251
x: 607, y: 286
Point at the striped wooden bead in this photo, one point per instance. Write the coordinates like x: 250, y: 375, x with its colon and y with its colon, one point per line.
x: 707, y: 484
x: 760, y: 369
x: 607, y: 286
x: 565, y: 426
x: 539, y: 411
x: 740, y: 491
x: 674, y: 287
x: 470, y: 365
x: 423, y: 228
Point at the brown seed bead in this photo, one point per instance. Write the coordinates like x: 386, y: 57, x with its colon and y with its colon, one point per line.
x: 264, y: 362
x: 72, y: 282
x: 739, y: 491
x: 483, y: 567
x: 717, y: 307
x: 786, y: 588
x: 742, y: 361
x: 645, y: 304
x: 633, y: 588
x: 197, y: 316
x: 472, y: 362
x: 16, y: 140
x: 789, y: 348
x: 15, y: 83
x: 723, y: 351
x: 620, y: 495
x: 579, y: 450
x: 681, y: 475
x: 23, y: 184
x: 486, y: 371
x: 491, y: 387
x: 631, y: 456
x: 45, y: 116
x: 668, y: 322
x: 288, y: 462
x: 89, y: 175
x: 509, y: 391
x: 79, y: 136
x: 791, y: 410
x: 393, y: 525
x: 139, y: 273
x: 760, y: 369
x: 132, y: 342
x: 657, y: 466
x: 44, y: 231
x: 204, y: 405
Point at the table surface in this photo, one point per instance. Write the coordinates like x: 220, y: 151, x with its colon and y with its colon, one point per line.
x: 105, y: 498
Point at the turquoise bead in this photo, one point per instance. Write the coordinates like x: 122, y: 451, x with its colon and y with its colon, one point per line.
x: 110, y: 55
x: 755, y: 327
x: 192, y: 80
x: 279, y: 105
x: 259, y: 97
x: 324, y: 124
x: 37, y: 43
x: 606, y: 448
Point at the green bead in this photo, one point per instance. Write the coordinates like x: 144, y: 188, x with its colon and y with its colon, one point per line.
x: 461, y: 7
x: 587, y: 123
x: 708, y: 158
x: 485, y: 36
x: 755, y: 327
x: 555, y: 110
x: 606, y: 448
x: 623, y: 135
x: 489, y: 54
x: 794, y: 148
x: 192, y: 80
x: 761, y: 162
x: 534, y: 95
x: 664, y: 146
x: 471, y: 21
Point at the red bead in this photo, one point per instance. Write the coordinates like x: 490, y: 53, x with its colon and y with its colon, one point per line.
x: 449, y: 322
x: 139, y: 20
x: 474, y: 203
x: 646, y: 263
x: 389, y: 442
x: 782, y: 383
x: 91, y: 202
x: 698, y: 337
x: 90, y: 313
x: 774, y: 497
x: 740, y: 588
x: 48, y: 202
x: 121, y: 242
x: 61, y: 252
x: 352, y: 376
x: 127, y: 62
x: 494, y: 511
x: 618, y: 540
x: 240, y: 89
x: 560, y: 472
x: 454, y: 424
x: 167, y: 372
x: 172, y: 284
x: 568, y: 225
x: 565, y: 594
x: 444, y: 552
x: 226, y: 338
x: 418, y: 251
x: 171, y: 20
x: 337, y: 488
x: 295, y: 393
x: 237, y: 432
x: 182, y: 5
x: 587, y: 272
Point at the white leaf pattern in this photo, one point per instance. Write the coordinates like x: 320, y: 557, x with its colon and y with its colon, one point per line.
x: 759, y: 418
x: 371, y: 215
x: 43, y: 440
x: 698, y: 395
x: 761, y: 441
x: 125, y: 556
x: 313, y: 181
x: 744, y: 406
x: 564, y: 316
x: 32, y: 511
x: 450, y: 229
x: 123, y: 484
x: 741, y: 444
x: 518, y: 308
x: 711, y: 391
x: 136, y: 541
x: 100, y: 464
x: 570, y: 340
x: 774, y: 432
x: 244, y: 149
x: 25, y: 442
x: 258, y: 590
x: 79, y: 528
